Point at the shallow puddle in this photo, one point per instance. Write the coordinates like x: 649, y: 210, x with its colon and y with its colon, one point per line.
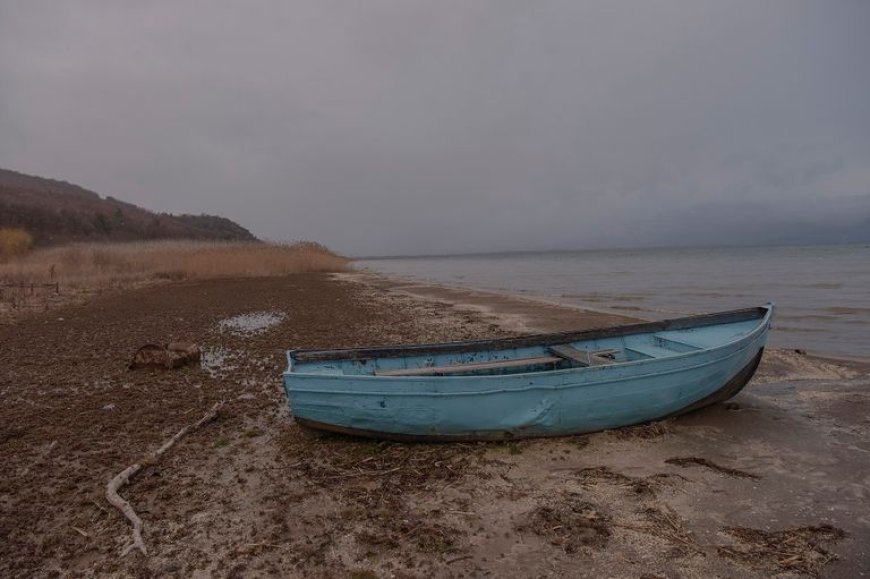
x: 251, y: 324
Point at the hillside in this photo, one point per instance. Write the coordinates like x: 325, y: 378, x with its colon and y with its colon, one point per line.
x: 59, y: 212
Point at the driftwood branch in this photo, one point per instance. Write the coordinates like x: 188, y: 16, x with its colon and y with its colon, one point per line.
x: 123, y: 477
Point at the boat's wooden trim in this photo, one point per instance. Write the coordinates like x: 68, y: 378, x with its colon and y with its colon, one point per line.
x: 470, y: 367
x: 727, y: 391
x: 728, y: 317
x: 580, y: 357
x: 583, y: 357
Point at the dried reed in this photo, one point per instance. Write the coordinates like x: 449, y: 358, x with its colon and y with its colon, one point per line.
x: 118, y: 264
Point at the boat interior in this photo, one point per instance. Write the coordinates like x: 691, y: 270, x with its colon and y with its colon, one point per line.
x: 545, y: 356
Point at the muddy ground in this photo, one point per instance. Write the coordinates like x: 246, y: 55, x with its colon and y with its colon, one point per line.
x: 776, y: 482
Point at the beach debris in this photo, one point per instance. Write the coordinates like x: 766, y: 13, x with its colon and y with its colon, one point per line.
x: 696, y: 461
x: 569, y: 522
x: 123, y: 477
x: 646, y: 431
x: 663, y: 521
x: 81, y: 532
x: 802, y: 550
x: 642, y: 486
x: 172, y: 355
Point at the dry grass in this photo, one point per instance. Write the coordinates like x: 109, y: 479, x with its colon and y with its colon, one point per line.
x: 14, y: 242
x: 119, y: 264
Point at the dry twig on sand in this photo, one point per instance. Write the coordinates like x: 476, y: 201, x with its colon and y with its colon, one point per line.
x: 123, y: 477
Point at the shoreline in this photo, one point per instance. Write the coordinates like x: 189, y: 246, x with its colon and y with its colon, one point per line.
x: 426, y: 289
x: 522, y: 313
x: 817, y: 311
x: 514, y: 312
x: 252, y: 493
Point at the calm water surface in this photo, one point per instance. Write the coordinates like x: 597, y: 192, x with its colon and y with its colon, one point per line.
x: 822, y: 293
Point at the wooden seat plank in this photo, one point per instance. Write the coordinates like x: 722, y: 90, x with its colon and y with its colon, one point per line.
x: 583, y: 357
x: 470, y: 367
x: 571, y: 353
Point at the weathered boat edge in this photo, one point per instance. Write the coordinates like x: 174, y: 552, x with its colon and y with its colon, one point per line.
x: 731, y: 388
x: 314, y: 355
x: 726, y: 392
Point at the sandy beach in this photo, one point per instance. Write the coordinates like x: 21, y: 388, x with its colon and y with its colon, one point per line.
x: 774, y: 483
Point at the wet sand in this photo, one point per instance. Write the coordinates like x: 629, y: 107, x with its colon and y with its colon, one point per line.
x: 776, y: 482
x: 513, y: 313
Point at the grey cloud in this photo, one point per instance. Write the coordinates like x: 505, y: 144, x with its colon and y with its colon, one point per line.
x: 391, y: 126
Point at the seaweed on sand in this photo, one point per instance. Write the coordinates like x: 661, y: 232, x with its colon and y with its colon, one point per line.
x: 802, y: 550
x: 569, y: 522
x: 696, y: 461
x: 639, y: 485
x: 646, y: 431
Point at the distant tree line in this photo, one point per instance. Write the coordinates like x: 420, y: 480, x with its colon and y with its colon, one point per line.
x: 57, y: 212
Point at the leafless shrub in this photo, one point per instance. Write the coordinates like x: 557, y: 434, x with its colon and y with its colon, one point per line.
x: 14, y: 242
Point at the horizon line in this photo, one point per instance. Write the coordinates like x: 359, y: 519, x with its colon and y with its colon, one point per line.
x: 613, y: 248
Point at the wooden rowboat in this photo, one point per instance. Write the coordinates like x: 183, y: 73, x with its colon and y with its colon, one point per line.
x: 543, y: 385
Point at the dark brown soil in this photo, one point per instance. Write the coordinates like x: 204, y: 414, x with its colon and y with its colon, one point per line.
x: 72, y: 416
x: 252, y: 494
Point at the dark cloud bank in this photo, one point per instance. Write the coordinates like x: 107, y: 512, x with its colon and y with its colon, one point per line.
x: 397, y: 126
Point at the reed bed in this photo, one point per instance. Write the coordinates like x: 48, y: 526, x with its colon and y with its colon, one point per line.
x: 119, y: 264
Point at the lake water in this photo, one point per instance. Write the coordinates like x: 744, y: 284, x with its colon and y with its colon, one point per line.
x: 822, y: 293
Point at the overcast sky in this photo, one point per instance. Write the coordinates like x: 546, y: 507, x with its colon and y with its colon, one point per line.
x: 403, y: 126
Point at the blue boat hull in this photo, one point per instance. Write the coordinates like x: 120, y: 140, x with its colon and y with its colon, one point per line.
x: 331, y: 396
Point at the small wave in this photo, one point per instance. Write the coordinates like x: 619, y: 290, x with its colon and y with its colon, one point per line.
x: 713, y: 294
x: 604, y: 297
x: 807, y: 317
x: 824, y: 285
x: 629, y: 298
x: 846, y: 311
x: 798, y: 330
x: 583, y: 298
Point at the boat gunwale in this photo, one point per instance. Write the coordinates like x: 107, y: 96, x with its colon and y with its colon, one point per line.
x: 763, y: 314
x: 398, y: 351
